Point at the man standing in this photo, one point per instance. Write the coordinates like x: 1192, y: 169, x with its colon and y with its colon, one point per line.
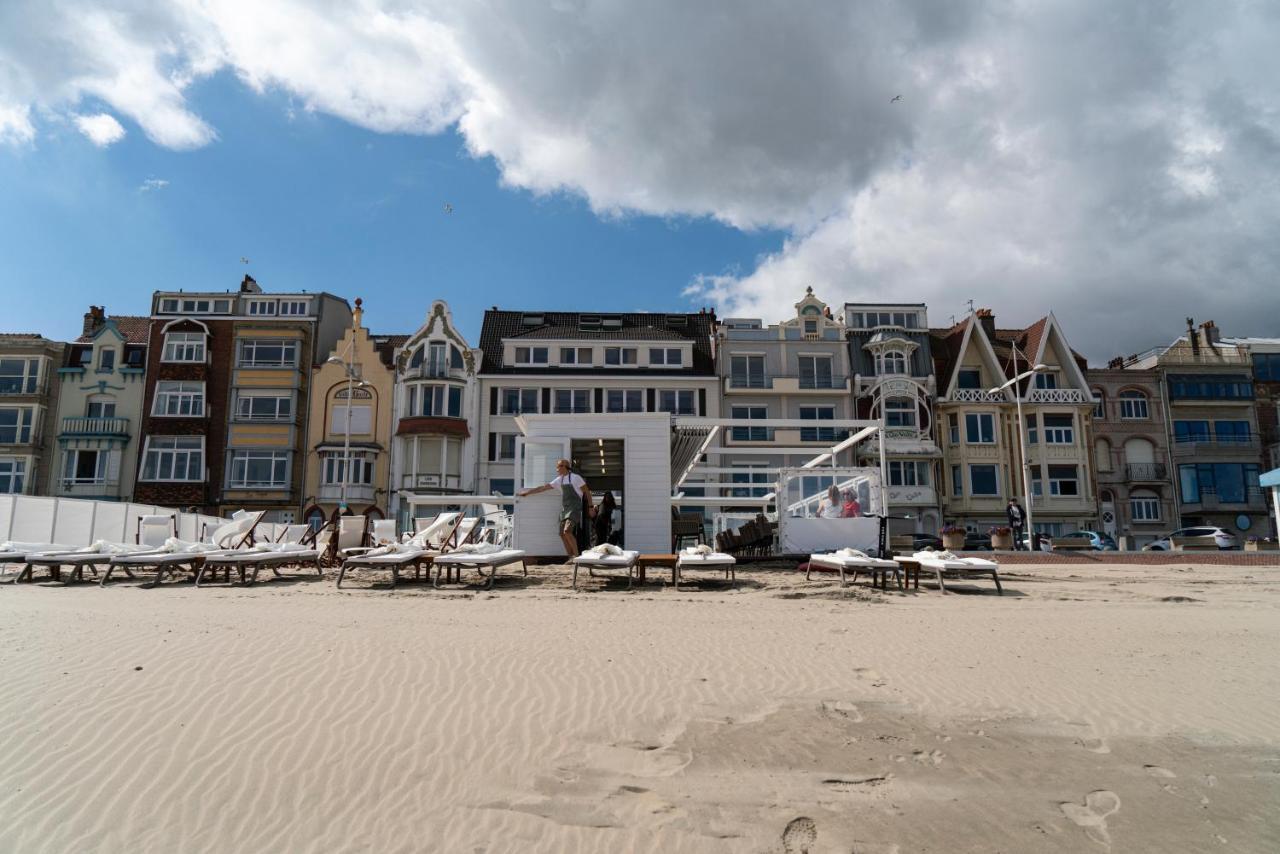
x: 1017, y: 521
x: 573, y: 489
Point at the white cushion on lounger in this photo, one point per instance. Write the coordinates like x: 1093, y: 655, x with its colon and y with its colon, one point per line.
x: 480, y: 558
x: 394, y: 558
x: 622, y: 558
x: 838, y: 560
x: 713, y: 559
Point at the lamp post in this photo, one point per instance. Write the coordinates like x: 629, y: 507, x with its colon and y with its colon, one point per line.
x: 1022, y: 441
x: 349, y: 369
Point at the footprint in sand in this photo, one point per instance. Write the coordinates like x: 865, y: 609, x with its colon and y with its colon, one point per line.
x: 843, y: 709
x: 799, y: 835
x: 1092, y: 817
x: 1157, y: 771
x: 933, y: 757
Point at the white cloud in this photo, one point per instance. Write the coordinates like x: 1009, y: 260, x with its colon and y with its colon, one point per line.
x: 151, y: 184
x: 1113, y: 162
x: 102, y: 129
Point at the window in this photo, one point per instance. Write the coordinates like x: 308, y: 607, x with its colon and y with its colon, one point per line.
x: 515, y: 401
x: 1191, y: 431
x: 180, y: 399
x: 437, y: 355
x: 969, y: 378
x: 530, y: 355
x: 15, y: 424
x: 19, y: 376
x: 1064, y: 480
x: 334, y: 468
x: 979, y: 428
x: 504, y: 446
x: 293, y: 307
x: 1133, y: 406
x: 891, y: 362
x: 908, y: 473
x: 1209, y: 387
x: 184, y: 347
x: 266, y: 405
x: 811, y: 327
x: 747, y: 372
x: 259, y: 470
x: 815, y: 372
x: 100, y: 407
x: 620, y: 355
x: 1033, y: 430
x: 953, y: 428
x: 1231, y: 483
x: 106, y: 360
x: 134, y: 356
x: 900, y: 412
x: 1059, y: 428
x: 261, y: 307
x: 179, y: 458
x: 1232, y: 431
x: 1144, y: 507
x: 671, y: 357
x: 624, y: 400
x: 266, y: 353
x: 571, y: 400
x: 1266, y: 367
x: 442, y: 401
x: 818, y: 434
x: 502, y: 485
x: 984, y: 480
x: 957, y: 482
x: 1045, y: 379
x: 575, y: 355
x: 174, y: 305
x: 1099, y: 406
x: 361, y: 423
x: 81, y: 466
x: 81, y: 356
x: 13, y: 475
x: 678, y: 401
x: 750, y: 434
x: 759, y: 480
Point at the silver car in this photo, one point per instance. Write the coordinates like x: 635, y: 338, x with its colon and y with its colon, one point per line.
x: 1224, y: 538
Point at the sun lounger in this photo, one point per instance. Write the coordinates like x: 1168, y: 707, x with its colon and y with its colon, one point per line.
x: 946, y: 563
x: 479, y: 557
x: 693, y: 558
x: 12, y: 552
x: 594, y: 559
x: 851, y: 560
x: 175, y: 554
x: 248, y: 562
x: 395, y: 558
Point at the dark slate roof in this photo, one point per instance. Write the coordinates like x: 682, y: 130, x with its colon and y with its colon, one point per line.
x: 945, y: 344
x: 699, y: 328
x: 135, y: 329
x: 386, y: 345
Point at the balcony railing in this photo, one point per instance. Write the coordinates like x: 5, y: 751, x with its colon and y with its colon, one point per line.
x: 1199, y: 443
x: 80, y: 426
x: 1146, y: 471
x: 976, y: 395
x: 358, y: 492
x: 435, y: 372
x: 803, y: 381
x: 1252, y: 499
x: 1057, y: 395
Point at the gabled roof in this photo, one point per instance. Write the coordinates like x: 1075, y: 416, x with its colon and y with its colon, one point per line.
x: 948, y: 347
x: 697, y: 328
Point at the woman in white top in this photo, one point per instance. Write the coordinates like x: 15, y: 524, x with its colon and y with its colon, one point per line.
x: 572, y: 490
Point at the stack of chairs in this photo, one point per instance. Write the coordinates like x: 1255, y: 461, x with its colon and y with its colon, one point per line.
x: 755, y: 538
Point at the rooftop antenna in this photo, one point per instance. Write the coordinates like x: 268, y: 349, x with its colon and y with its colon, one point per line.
x: 970, y: 306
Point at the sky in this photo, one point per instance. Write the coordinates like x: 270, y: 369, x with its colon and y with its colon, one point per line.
x: 1113, y: 163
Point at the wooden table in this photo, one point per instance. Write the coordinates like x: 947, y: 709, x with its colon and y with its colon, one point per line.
x: 657, y: 561
x: 909, y: 568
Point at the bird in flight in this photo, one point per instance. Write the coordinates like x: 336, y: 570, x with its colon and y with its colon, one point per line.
x: 448, y: 208
x: 244, y: 260
x: 895, y: 98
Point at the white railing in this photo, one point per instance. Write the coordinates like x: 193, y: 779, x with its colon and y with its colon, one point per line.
x: 976, y: 395
x: 1057, y: 395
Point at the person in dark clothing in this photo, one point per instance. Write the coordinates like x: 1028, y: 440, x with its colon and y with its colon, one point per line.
x: 604, y: 518
x: 1017, y: 521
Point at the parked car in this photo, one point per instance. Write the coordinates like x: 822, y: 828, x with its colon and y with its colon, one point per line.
x: 974, y: 542
x: 1224, y: 538
x: 1046, y: 543
x: 1101, y: 542
x: 920, y: 542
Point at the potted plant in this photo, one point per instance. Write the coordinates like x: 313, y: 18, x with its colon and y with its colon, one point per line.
x: 1259, y: 544
x: 953, y: 538
x: 1001, y: 536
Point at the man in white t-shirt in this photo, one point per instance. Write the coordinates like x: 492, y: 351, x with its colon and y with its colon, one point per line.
x: 572, y: 490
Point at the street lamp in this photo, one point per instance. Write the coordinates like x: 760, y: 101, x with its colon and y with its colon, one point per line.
x: 350, y: 370
x: 1022, y: 441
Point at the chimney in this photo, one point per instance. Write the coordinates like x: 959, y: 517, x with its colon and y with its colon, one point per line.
x: 988, y: 321
x: 1192, y: 337
x: 249, y: 286
x: 1116, y: 363
x: 93, y: 319
x: 1211, y: 334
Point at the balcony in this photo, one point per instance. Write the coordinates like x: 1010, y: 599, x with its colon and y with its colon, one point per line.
x: 88, y: 487
x: 786, y: 384
x: 77, y: 426
x: 436, y: 372
x: 1148, y: 472
x: 1253, y: 499
x: 1195, y: 445
x: 976, y: 395
x: 357, y: 493
x: 1057, y: 395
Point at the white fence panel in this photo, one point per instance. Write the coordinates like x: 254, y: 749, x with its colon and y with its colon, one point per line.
x: 73, y: 523
x: 34, y: 524
x: 188, y: 527
x: 109, y: 523
x: 6, y: 515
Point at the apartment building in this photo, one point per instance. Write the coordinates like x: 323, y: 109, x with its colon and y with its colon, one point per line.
x: 1207, y: 384
x: 349, y: 427
x: 1264, y: 354
x: 28, y: 408
x: 1136, y: 497
x: 584, y: 363
x: 796, y: 369
x: 102, y: 383
x: 892, y: 365
x: 980, y: 436
x: 227, y: 395
x: 435, y: 449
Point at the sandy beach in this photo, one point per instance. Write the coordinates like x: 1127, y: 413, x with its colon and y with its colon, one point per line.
x: 1089, y: 709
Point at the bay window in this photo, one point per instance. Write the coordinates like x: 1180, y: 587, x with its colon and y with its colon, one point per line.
x: 16, y: 424
x: 173, y: 458
x: 259, y: 470
x: 179, y: 399
x: 184, y: 347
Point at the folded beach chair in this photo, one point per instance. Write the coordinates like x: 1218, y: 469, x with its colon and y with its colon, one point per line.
x: 702, y: 557
x: 395, y: 558
x: 606, y: 557
x: 297, y: 534
x: 153, y: 530
x: 946, y: 563
x: 852, y: 560
x: 353, y: 533
x: 382, y: 532
x: 437, y: 532
x: 177, y: 554
x: 479, y: 556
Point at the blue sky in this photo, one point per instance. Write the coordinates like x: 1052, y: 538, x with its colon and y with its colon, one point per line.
x: 316, y: 203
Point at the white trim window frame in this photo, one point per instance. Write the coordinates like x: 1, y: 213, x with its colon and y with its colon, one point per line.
x: 261, y: 307
x: 433, y: 400
x: 1134, y: 406
x: 504, y: 448
x: 264, y: 405
x: 742, y: 374
x: 576, y: 356
x: 1058, y: 432
x: 258, y: 469
x: 334, y: 463
x: 293, y: 307
x: 815, y: 377
x: 571, y: 401
x: 13, y: 475
x: 908, y: 473
x: 981, y: 430
x: 267, y: 353
x: 519, y: 401
x: 624, y: 400
x: 530, y: 355
x: 666, y: 357
x: 622, y: 357
x: 178, y: 399
x: 173, y: 459
x: 19, y: 375
x: 17, y: 424
x: 995, y: 476
x: 677, y: 401
x: 1144, y: 507
x: 185, y: 347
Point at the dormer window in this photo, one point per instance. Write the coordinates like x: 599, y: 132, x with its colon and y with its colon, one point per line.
x: 620, y: 355
x: 670, y: 357
x: 589, y: 322
x: 811, y: 327
x: 611, y: 324
x: 531, y: 355
x: 890, y: 362
x: 575, y: 356
x: 531, y: 320
x: 106, y: 360
x: 969, y: 378
x: 1046, y: 380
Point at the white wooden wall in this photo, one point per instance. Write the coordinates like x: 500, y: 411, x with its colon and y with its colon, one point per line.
x: 646, y: 483
x: 79, y: 522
